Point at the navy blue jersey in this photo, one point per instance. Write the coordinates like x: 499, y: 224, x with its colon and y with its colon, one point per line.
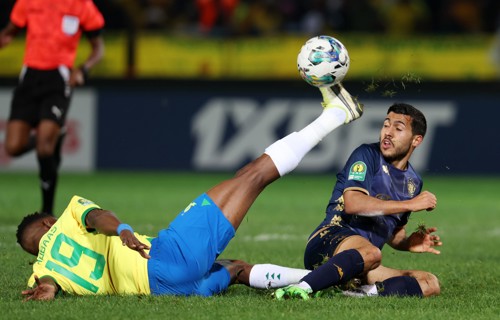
x: 367, y: 171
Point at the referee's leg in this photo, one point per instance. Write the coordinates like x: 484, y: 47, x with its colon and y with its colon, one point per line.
x: 17, y: 139
x: 48, y: 134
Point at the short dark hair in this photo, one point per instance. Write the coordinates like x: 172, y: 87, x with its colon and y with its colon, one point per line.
x: 418, y: 123
x: 28, y: 220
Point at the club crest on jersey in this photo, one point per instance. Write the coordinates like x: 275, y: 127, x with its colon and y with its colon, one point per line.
x: 411, y: 187
x: 357, y: 171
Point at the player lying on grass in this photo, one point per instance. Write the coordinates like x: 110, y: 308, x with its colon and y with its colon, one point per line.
x: 370, y: 205
x: 82, y: 251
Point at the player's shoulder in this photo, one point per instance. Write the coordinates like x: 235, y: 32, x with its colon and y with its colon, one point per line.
x: 364, y: 157
x: 81, y: 205
x: 373, y: 147
x: 88, y: 2
x: 413, y: 172
x: 84, y: 4
x: 369, y: 149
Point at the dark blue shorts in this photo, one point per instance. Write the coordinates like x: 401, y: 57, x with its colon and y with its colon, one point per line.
x: 323, y: 243
x: 183, y: 256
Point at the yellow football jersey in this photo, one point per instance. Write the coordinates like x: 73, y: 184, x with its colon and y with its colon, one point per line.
x: 85, y: 262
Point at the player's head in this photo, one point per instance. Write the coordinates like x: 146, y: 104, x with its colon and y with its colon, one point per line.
x: 403, y: 130
x: 418, y: 121
x: 31, y: 229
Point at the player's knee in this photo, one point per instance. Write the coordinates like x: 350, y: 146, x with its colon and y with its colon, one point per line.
x: 430, y: 285
x: 239, y: 270
x: 45, y: 147
x: 14, y: 149
x: 372, y: 257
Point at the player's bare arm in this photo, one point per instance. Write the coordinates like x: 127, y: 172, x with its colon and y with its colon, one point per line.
x: 7, y: 34
x: 359, y: 203
x: 46, y: 289
x: 422, y: 240
x: 79, y: 75
x: 96, y: 53
x: 106, y: 222
x: 424, y: 201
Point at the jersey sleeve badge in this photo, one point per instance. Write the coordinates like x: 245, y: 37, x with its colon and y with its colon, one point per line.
x: 357, y: 171
x: 85, y: 202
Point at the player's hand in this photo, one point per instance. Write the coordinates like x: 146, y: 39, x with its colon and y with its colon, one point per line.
x: 76, y: 78
x: 128, y: 239
x: 424, y: 241
x: 42, y: 291
x: 5, y: 40
x: 424, y: 201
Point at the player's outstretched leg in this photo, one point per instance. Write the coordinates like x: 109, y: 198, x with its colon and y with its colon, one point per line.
x: 338, y: 97
x: 262, y: 276
x: 235, y: 196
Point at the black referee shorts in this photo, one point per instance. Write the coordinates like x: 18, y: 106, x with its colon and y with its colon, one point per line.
x: 40, y: 95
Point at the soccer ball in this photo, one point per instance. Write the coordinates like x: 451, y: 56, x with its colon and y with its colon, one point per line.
x: 323, y: 61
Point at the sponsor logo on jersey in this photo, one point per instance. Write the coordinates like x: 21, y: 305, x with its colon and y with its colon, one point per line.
x: 56, y: 111
x: 84, y: 202
x: 192, y: 204
x: 385, y: 169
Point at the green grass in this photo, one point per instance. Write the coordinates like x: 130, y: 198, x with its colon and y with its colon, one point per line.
x: 274, y: 231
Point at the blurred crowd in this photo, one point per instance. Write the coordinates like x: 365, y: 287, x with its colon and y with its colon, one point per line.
x: 226, y: 18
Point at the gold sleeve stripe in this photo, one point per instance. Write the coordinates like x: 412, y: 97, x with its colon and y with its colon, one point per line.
x: 357, y: 189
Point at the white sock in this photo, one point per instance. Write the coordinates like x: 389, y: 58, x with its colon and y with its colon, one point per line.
x: 269, y: 276
x: 370, y: 289
x: 304, y: 285
x: 287, y: 153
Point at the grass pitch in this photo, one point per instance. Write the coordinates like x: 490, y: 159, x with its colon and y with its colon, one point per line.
x: 274, y: 231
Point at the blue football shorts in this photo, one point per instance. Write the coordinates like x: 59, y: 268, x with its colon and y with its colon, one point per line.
x: 183, y: 255
x: 323, y: 243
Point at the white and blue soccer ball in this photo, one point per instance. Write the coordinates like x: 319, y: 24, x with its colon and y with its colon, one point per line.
x: 323, y: 61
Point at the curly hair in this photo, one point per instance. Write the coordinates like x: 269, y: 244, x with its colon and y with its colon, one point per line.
x: 27, y: 221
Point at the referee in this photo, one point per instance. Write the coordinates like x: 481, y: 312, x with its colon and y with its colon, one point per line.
x: 41, y: 99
